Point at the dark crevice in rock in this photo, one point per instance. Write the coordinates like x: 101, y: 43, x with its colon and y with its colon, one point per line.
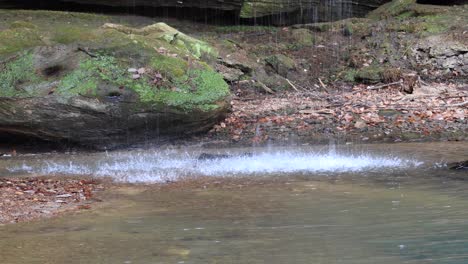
x: 52, y: 71
x: 10, y: 142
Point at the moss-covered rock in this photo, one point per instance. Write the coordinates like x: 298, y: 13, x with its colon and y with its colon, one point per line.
x: 171, y: 35
x: 281, y: 64
x: 370, y: 75
x: 303, y: 37
x: 106, y: 81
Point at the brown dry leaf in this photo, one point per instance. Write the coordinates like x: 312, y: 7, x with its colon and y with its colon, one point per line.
x: 348, y: 118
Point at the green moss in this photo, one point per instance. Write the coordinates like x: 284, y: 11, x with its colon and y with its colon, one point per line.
x: 184, y: 85
x: 78, y: 82
x: 406, y: 15
x: 18, y: 39
x: 425, y: 24
x: 199, y: 49
x: 350, y: 75
x: 169, y: 66
x: 392, y: 9
x: 437, y: 23
x: 303, y: 37
x: 200, y: 89
x: 371, y: 74
x: 250, y: 9
x: 103, y: 69
x: 22, y: 24
x: 196, y: 47
x: 245, y: 29
x: 20, y: 70
x: 69, y: 34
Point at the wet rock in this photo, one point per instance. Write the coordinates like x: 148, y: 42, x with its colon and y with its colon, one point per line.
x: 281, y: 64
x: 210, y: 156
x: 463, y: 165
x: 370, y: 75
x: 229, y: 74
x: 440, y: 52
x: 239, y: 60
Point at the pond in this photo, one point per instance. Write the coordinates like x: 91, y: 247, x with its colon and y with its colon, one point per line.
x: 345, y: 204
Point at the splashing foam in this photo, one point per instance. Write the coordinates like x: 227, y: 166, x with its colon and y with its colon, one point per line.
x: 154, y: 167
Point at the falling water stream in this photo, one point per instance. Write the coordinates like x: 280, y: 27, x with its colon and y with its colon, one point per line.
x: 346, y: 204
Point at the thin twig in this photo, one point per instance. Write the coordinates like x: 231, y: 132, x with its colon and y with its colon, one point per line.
x: 460, y: 104
x: 323, y: 85
x: 292, y: 85
x: 264, y: 87
x: 423, y: 82
x: 384, y: 85
x: 87, y: 52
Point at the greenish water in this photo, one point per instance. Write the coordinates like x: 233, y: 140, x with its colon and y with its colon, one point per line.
x: 409, y: 215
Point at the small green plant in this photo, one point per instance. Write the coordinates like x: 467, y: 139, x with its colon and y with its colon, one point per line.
x: 350, y: 75
x: 169, y: 66
x: 20, y: 70
x: 199, y: 89
x: 78, y: 82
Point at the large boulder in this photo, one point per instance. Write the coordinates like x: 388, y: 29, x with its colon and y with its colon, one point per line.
x: 80, y: 79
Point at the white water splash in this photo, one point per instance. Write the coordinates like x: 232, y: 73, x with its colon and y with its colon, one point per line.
x: 153, y: 167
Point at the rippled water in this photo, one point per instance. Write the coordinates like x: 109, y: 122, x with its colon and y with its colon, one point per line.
x: 405, y: 209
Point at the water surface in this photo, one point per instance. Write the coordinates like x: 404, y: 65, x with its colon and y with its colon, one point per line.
x: 404, y: 209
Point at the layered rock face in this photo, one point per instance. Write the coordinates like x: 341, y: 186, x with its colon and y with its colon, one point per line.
x: 294, y: 10
x: 209, y: 4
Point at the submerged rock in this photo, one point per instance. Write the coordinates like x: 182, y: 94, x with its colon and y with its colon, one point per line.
x: 463, y: 165
x: 70, y: 80
x: 210, y: 156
